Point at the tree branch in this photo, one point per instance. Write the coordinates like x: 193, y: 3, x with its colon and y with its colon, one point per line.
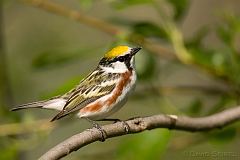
x: 184, y: 123
x: 62, y: 10
x: 113, y: 30
x: 101, y: 25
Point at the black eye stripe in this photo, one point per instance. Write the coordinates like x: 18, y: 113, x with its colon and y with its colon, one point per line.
x: 126, y: 59
x: 123, y: 58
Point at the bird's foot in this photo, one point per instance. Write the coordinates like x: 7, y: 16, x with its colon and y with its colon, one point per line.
x: 99, y: 128
x: 125, y: 125
x: 103, y: 133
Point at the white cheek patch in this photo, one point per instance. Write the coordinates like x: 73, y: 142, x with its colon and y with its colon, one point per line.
x: 117, y: 67
x: 120, y: 66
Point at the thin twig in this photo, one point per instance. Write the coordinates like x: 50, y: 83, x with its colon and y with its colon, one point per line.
x: 73, y: 14
x: 99, y: 24
x: 215, y: 121
x: 26, y: 127
x: 148, y: 44
x: 184, y: 89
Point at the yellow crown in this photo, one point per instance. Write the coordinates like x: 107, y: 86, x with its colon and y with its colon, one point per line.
x: 117, y: 51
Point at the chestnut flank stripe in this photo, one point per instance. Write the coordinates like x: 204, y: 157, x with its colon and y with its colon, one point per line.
x: 96, y: 106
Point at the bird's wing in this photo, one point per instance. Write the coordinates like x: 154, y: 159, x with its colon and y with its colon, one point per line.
x: 94, y: 86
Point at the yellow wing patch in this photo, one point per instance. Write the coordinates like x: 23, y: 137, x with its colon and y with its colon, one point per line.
x: 117, y: 51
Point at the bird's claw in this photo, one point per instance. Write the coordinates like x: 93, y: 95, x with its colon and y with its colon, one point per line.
x: 103, y: 133
x: 125, y: 125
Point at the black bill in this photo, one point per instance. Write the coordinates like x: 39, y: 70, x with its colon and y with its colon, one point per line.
x: 135, y: 50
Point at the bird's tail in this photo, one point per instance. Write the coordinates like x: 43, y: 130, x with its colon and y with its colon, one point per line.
x: 38, y: 104
x: 56, y: 104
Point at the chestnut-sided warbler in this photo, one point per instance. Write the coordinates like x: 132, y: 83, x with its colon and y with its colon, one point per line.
x: 101, y: 93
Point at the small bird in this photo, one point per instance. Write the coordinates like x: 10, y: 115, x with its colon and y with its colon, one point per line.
x: 103, y: 92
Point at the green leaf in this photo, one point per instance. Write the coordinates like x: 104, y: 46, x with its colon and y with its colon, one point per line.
x: 229, y: 29
x: 225, y: 35
x: 8, y: 150
x: 52, y: 59
x: 201, y: 55
x: 147, y: 145
x: 223, y: 101
x: 122, y: 4
x: 147, y: 65
x: 212, y: 59
x: 196, y: 40
x: 64, y: 88
x: 195, y: 107
x: 86, y: 4
x: 232, y: 21
x: 180, y: 7
x: 148, y: 29
x: 223, y: 136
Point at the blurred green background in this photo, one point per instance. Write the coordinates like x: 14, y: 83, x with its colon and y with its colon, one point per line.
x: 189, y: 65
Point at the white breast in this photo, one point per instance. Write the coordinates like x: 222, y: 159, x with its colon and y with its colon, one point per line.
x: 121, y: 100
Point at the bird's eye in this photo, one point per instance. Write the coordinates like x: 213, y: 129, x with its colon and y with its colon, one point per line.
x: 121, y: 59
